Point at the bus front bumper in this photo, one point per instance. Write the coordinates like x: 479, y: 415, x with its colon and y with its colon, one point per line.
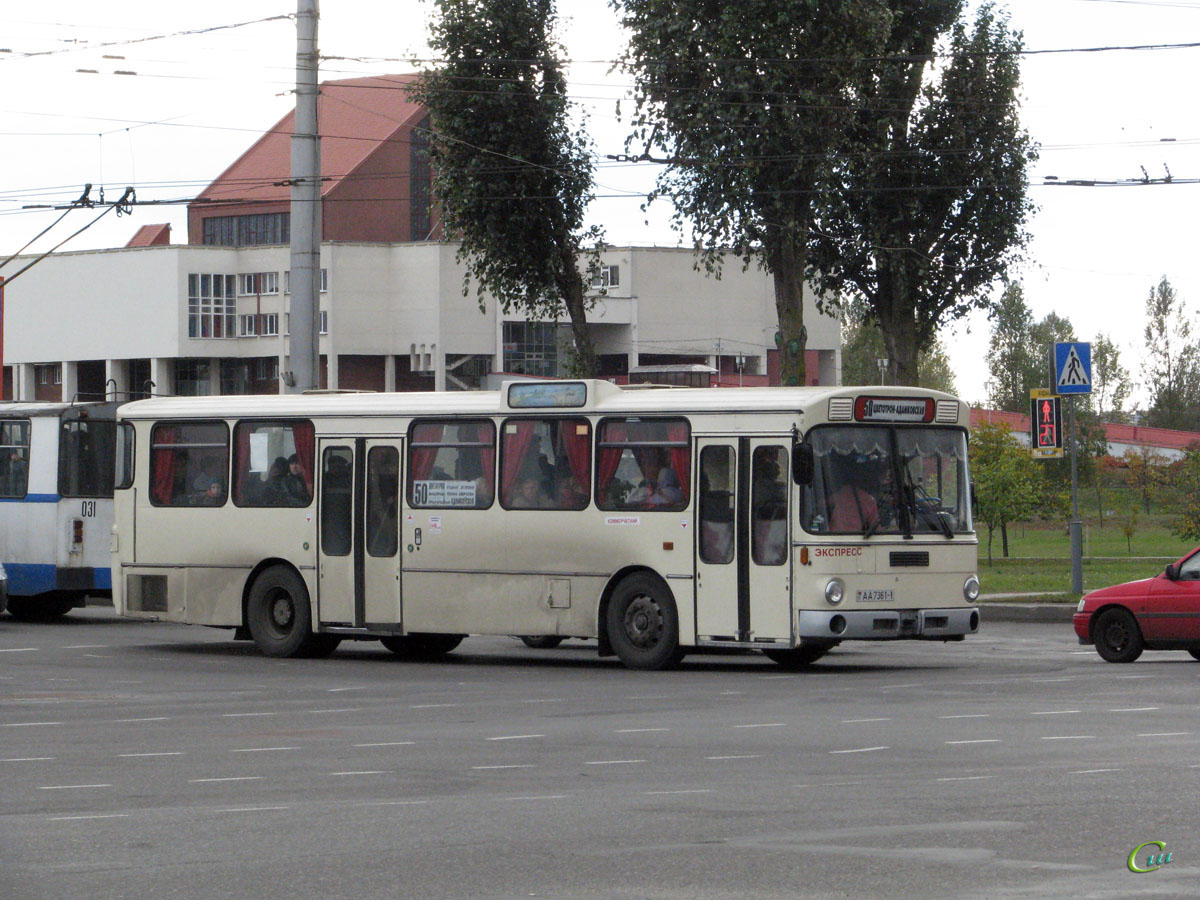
x: 888, y: 624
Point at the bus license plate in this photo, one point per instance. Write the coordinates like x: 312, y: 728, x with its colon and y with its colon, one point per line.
x: 878, y: 595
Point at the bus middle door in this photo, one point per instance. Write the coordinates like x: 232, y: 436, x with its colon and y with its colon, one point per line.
x: 358, y: 555
x: 743, y: 540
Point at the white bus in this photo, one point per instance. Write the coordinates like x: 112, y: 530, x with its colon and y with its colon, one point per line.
x: 653, y: 520
x: 56, y: 508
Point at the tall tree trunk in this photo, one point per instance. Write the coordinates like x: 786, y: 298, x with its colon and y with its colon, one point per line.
x: 899, y: 329
x: 571, y: 285
x: 786, y: 263
x: 1004, y: 537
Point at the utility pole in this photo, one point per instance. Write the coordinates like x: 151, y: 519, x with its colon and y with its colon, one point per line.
x: 304, y: 280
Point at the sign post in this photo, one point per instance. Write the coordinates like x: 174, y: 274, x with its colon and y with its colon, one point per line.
x: 1072, y: 374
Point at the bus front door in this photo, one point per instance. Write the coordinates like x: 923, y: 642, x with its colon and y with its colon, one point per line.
x: 358, y: 554
x: 743, y: 541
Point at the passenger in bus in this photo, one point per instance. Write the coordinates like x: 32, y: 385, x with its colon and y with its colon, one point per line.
x: 667, y: 491
x: 528, y: 495
x: 295, y: 486
x: 852, y: 505
x: 14, y: 480
x: 214, y: 495
x: 207, y: 487
x: 467, y: 468
x: 569, y: 493
x: 272, y: 492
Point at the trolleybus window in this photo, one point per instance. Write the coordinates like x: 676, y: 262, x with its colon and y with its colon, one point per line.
x: 878, y: 480
x: 643, y: 464
x: 272, y: 463
x: 189, y: 464
x: 545, y: 464
x: 768, y: 506
x: 337, y: 502
x: 124, y: 456
x: 85, y: 458
x: 452, y: 464
x: 14, y: 457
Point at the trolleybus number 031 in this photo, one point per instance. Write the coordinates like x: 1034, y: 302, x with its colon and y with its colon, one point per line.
x: 878, y: 595
x: 88, y: 510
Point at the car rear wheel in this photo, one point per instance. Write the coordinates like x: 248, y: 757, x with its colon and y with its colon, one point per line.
x: 1118, y: 638
x: 1195, y: 652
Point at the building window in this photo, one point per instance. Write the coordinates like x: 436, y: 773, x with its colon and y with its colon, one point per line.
x: 287, y: 281
x: 420, y: 184
x: 254, y: 324
x: 192, y: 378
x: 253, y: 283
x: 322, y: 322
x: 269, y: 324
x: 247, y: 231
x: 531, y: 348
x: 608, y: 276
x: 266, y: 368
x: 212, y: 306
x: 248, y: 325
x: 50, y: 373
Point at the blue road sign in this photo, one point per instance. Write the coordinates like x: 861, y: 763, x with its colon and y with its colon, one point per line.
x: 1073, y: 368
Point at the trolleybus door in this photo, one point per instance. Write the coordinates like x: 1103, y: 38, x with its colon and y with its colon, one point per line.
x: 743, y: 540
x: 358, y: 556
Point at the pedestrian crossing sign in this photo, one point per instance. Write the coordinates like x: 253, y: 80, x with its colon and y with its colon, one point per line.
x: 1073, y: 368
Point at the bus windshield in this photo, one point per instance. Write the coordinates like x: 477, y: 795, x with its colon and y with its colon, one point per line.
x: 870, y: 479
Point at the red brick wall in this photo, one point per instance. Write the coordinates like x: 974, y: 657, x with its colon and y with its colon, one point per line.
x: 361, y: 373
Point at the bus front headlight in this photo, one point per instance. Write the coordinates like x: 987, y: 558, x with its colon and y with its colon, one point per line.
x: 971, y: 589
x: 834, y: 591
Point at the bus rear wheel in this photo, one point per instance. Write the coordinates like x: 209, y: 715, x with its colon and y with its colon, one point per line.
x: 38, y: 608
x: 643, y: 624
x: 540, y: 641
x: 422, y: 647
x: 280, y: 619
x: 801, y: 657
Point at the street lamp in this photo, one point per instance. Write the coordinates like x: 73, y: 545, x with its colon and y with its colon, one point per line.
x: 883, y: 364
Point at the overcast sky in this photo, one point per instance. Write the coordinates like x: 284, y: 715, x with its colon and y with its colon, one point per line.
x: 198, y: 100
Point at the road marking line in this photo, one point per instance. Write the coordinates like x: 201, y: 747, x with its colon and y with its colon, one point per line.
x: 517, y: 766
x: 86, y: 647
x: 543, y: 797
x: 1136, y: 709
x: 731, y: 693
x: 162, y: 753
x: 613, y: 762
x: 638, y: 730
x: 1047, y: 680
x: 394, y: 802
x: 547, y: 700
x: 967, y: 778
x: 342, y: 710
x: 70, y: 787
x: 515, y: 737
x: 28, y: 724
x: 28, y: 759
x: 251, y: 809
x: 1070, y: 737
x: 741, y: 756
x: 967, y: 716
x: 763, y: 725
x: 1164, y: 734
x: 340, y: 690
x: 1133, y: 676
x: 261, y: 749
x: 860, y: 750
x: 18, y: 649
x: 1091, y: 771
x: 1057, y: 712
x: 229, y: 778
x: 126, y: 681
x: 98, y: 655
x: 97, y: 816
x: 855, y: 721
x: 648, y: 697
x: 245, y: 715
x: 366, y: 772
x: 434, y: 705
x: 977, y: 741
x: 151, y: 719
x: 693, y: 791
x: 387, y: 744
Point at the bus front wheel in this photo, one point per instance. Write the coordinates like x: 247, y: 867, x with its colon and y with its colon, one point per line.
x: 280, y: 619
x: 38, y: 608
x: 643, y: 624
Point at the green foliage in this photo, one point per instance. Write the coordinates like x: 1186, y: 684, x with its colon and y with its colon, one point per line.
x: 928, y: 204
x: 1110, y: 381
x: 1171, y: 365
x: 1013, y: 361
x: 863, y: 344
x: 512, y: 177
x: 750, y: 103
x: 1006, y: 482
x: 1145, y: 472
x: 1188, y: 487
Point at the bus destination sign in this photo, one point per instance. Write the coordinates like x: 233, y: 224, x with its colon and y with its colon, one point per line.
x: 893, y: 409
x: 547, y: 395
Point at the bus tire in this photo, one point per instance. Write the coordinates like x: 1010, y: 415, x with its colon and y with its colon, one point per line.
x: 422, y: 647
x: 540, y: 641
x: 38, y: 608
x: 800, y: 658
x: 278, y: 614
x: 643, y: 623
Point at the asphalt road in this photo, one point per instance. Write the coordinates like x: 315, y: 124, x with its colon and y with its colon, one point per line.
x: 143, y: 760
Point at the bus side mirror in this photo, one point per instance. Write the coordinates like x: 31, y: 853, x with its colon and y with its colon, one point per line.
x: 802, y: 463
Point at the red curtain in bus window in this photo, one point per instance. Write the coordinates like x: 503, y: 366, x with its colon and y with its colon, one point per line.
x: 423, y: 457
x: 241, y: 463
x: 303, y: 438
x: 575, y: 436
x: 487, y: 455
x: 681, y: 457
x: 517, y: 438
x: 162, y: 465
x: 608, y: 458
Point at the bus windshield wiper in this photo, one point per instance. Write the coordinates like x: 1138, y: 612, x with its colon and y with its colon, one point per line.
x: 920, y: 504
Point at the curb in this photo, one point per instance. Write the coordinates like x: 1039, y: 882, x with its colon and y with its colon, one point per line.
x: 1026, y: 612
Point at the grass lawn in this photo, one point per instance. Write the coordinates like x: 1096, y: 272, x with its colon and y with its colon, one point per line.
x: 1040, y: 560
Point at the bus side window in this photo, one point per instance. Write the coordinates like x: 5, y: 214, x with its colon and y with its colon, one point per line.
x: 273, y: 463
x: 716, y: 505
x: 452, y: 465
x: 643, y: 464
x: 14, y: 457
x: 768, y: 506
x: 337, y: 504
x: 189, y: 464
x: 545, y: 464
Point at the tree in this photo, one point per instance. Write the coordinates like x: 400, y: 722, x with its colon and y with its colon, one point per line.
x: 1171, y: 366
x: 1006, y: 482
x: 863, y: 344
x: 1019, y: 350
x: 928, y: 205
x: 1144, y: 472
x: 1187, y: 526
x: 750, y: 103
x: 511, y: 177
x: 1110, y: 381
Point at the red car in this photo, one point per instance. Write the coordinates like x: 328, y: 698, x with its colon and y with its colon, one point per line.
x: 1160, y: 613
